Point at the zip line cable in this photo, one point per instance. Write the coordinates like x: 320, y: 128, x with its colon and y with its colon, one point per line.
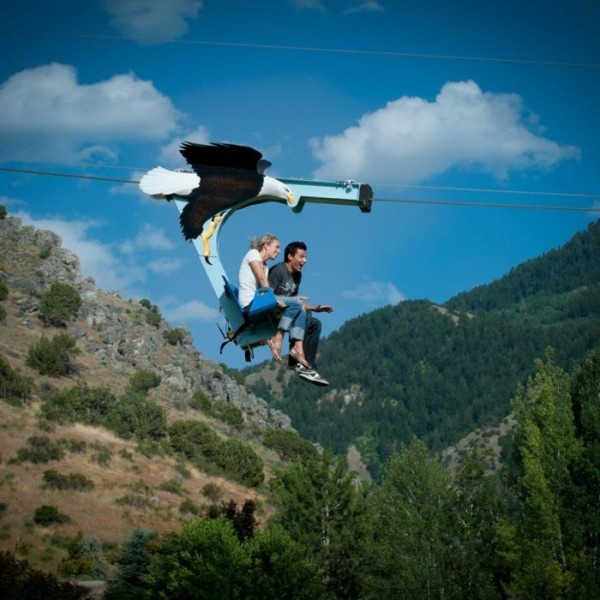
x: 413, y: 186
x: 395, y: 201
x: 489, y: 190
x: 67, y: 175
x: 487, y: 204
x: 390, y: 53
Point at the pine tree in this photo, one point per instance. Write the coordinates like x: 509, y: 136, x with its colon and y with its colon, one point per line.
x: 545, y: 448
x: 583, y: 502
x: 415, y: 537
x: 322, y: 508
x: 134, y: 561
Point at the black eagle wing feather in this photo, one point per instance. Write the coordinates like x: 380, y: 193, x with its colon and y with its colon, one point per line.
x: 204, y: 158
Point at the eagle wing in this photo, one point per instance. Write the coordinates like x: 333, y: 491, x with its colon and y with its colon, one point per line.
x: 204, y: 158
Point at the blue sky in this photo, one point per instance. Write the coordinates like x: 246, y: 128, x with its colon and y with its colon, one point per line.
x: 480, y: 102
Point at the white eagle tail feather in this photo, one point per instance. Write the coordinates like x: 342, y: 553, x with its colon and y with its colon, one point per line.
x: 160, y: 182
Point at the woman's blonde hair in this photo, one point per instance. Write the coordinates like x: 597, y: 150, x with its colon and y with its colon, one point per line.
x: 262, y: 241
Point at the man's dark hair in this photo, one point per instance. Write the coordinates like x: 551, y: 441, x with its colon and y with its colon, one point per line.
x: 292, y: 248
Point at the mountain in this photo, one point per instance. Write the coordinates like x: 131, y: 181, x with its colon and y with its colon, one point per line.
x: 439, y: 372
x: 140, y: 430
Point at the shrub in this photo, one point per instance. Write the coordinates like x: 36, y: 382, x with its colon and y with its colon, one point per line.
x: 85, y: 560
x: 174, y: 336
x: 220, y: 409
x: 149, y: 448
x: 50, y: 515
x: 136, y: 416
x: 14, y: 387
x: 173, y: 486
x: 133, y: 501
x: 71, y: 481
x: 80, y: 403
x: 187, y: 507
x: 241, y: 462
x: 125, y: 454
x: 59, y: 304
x: 144, y: 381
x: 53, y: 357
x: 74, y: 446
x: 228, y: 412
x: 3, y: 290
x: 195, y: 440
x: 19, y: 580
x: 41, y: 450
x: 288, y: 444
x: 153, y: 316
x: 200, y: 401
x: 212, y: 492
x: 103, y: 456
x: 3, y: 211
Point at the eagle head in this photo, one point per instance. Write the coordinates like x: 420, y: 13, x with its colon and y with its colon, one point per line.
x: 273, y: 188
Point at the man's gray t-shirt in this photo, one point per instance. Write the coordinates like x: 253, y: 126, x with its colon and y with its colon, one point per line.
x: 282, y: 282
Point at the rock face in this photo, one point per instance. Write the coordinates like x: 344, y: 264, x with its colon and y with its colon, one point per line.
x: 116, y: 336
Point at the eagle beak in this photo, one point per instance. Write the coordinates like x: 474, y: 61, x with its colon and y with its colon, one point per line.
x: 291, y: 200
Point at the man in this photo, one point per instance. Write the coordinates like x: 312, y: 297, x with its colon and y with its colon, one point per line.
x: 284, y: 280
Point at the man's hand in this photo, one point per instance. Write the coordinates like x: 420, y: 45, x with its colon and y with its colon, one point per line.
x: 323, y: 308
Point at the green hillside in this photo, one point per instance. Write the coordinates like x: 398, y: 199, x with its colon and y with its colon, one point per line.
x: 438, y: 373
x: 575, y: 266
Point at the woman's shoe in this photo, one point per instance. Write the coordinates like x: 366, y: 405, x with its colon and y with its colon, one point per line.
x: 300, y: 359
x: 274, y: 350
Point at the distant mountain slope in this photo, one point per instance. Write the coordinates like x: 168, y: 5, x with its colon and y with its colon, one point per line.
x: 439, y: 373
x: 573, y: 266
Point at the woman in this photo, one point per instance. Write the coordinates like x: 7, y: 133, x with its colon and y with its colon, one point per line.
x: 254, y: 274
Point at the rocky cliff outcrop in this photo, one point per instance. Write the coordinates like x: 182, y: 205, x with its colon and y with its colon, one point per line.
x: 114, y: 335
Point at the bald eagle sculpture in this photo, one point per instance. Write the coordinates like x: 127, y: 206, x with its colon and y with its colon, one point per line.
x: 224, y: 175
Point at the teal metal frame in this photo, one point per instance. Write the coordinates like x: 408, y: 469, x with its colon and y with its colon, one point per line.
x: 253, y: 332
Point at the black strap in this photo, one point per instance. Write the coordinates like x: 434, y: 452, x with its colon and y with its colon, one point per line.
x: 233, y: 336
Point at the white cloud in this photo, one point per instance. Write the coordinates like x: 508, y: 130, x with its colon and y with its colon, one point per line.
x: 152, y: 21
x: 165, y: 265
x: 114, y: 267
x: 375, y: 293
x: 193, y: 310
x: 128, y: 189
x: 45, y: 113
x: 412, y: 139
x: 97, y: 260
x: 147, y: 238
x: 11, y: 202
x: 367, y: 6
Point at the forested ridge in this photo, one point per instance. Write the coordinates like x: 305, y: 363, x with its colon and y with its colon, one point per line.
x: 576, y: 265
x: 438, y: 373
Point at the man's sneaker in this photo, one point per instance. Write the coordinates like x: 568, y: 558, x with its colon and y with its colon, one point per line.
x: 312, y: 376
x: 302, y: 370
